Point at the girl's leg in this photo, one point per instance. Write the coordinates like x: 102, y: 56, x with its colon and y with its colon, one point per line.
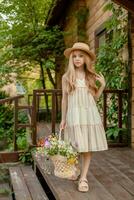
x: 83, y: 183
x: 86, y: 159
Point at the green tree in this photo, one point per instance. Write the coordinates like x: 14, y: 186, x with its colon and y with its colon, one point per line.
x: 28, y: 37
x: 29, y: 41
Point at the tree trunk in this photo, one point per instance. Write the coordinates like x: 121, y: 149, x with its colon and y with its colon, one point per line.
x: 54, y: 85
x: 44, y: 85
x: 50, y: 77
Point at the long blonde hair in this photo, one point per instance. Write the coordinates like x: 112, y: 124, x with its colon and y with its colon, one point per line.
x: 70, y: 75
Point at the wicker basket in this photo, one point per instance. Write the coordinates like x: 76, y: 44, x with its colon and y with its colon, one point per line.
x: 62, y: 168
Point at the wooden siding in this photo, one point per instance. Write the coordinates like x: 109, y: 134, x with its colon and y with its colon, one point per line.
x: 132, y: 111
x: 96, y: 18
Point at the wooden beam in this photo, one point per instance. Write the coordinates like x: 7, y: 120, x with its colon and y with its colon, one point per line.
x: 9, y: 156
x: 127, y: 4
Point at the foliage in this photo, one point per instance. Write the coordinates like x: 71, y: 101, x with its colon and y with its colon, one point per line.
x: 81, y: 16
x: 21, y: 136
x: 113, y: 132
x: 27, y: 40
x: 110, y: 57
x: 4, y: 180
x: 26, y: 156
x: 6, y: 123
x: 53, y: 146
x: 111, y: 63
x: 7, y: 126
x: 4, y: 175
x: 4, y: 191
x: 22, y: 141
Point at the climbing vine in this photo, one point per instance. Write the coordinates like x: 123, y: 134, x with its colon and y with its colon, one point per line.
x: 110, y: 55
x: 113, y: 65
x: 81, y: 16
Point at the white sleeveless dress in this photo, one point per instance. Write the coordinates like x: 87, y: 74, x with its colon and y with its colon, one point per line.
x: 84, y: 128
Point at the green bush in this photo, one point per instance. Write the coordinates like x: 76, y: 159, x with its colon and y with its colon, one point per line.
x: 6, y: 123
x: 26, y: 156
x: 7, y: 127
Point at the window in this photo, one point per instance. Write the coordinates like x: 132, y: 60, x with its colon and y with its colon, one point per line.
x: 100, y: 37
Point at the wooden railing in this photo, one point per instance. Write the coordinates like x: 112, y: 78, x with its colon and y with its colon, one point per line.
x: 54, y: 93
x: 34, y: 107
x: 36, y: 103
x: 17, y: 107
x: 120, y: 94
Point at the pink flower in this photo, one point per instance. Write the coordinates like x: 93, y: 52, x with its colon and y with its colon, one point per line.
x: 47, y: 143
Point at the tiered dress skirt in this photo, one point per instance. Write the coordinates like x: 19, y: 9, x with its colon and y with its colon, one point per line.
x: 84, y: 128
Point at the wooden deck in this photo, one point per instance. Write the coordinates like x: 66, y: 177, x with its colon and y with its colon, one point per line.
x: 111, y: 177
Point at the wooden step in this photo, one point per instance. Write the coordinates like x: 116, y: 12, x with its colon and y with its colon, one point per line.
x: 26, y: 185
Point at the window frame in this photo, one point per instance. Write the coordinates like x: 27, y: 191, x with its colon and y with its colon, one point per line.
x: 98, y: 33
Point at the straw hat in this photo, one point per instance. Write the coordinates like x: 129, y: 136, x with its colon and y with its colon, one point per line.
x: 80, y: 46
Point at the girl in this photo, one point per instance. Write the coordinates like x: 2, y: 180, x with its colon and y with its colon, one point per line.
x: 80, y: 117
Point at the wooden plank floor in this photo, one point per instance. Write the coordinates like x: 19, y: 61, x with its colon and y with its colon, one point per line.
x: 114, y: 169
x: 111, y: 175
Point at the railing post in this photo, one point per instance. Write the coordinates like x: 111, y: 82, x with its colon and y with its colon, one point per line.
x: 105, y: 110
x: 28, y: 99
x: 30, y: 110
x: 53, y: 112
x: 120, y: 114
x: 38, y: 106
x: 15, y: 123
x: 34, y: 119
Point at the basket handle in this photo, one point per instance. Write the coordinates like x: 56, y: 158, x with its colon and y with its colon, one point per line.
x: 60, y: 132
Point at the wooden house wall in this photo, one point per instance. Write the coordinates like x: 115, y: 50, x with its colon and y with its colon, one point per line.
x: 96, y: 18
x: 132, y: 111
x: 70, y: 25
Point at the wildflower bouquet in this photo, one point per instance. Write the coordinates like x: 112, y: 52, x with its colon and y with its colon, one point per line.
x: 53, y: 146
x: 63, y: 156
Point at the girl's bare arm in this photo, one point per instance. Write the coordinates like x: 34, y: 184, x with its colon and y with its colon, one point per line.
x: 64, y: 100
x: 99, y: 92
x: 101, y: 79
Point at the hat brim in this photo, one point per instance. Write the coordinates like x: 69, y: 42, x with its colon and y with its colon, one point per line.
x: 68, y: 51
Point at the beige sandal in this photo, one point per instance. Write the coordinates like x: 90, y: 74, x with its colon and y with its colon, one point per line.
x: 83, y: 185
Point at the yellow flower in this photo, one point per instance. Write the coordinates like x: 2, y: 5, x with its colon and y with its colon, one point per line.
x: 71, y: 160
